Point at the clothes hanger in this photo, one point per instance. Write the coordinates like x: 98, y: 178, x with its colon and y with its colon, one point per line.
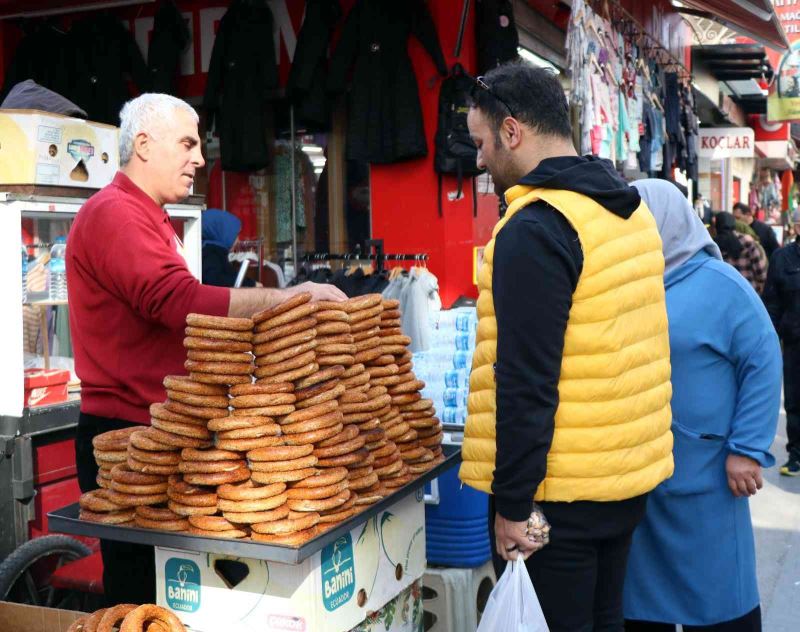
x: 396, y: 273
x: 593, y: 61
x: 655, y: 101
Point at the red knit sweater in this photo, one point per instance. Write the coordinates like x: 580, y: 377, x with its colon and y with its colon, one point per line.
x: 129, y: 294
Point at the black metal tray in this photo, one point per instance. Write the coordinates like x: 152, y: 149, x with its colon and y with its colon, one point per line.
x: 66, y: 520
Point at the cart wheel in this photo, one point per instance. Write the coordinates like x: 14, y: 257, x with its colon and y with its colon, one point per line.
x: 25, y: 574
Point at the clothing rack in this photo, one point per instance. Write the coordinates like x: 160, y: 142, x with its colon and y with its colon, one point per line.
x: 378, y: 256
x: 631, y: 27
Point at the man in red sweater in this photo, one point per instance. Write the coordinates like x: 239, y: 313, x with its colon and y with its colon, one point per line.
x: 129, y: 293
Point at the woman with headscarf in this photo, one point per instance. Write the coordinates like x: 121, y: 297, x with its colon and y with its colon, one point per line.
x: 220, y: 232
x: 692, y: 561
x: 741, y: 251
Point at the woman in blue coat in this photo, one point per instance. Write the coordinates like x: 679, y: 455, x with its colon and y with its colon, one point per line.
x: 692, y: 560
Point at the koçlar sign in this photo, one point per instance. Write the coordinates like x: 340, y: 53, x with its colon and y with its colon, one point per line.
x: 726, y: 142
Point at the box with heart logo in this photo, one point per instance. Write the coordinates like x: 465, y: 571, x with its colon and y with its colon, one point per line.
x: 333, y: 590
x: 43, y: 148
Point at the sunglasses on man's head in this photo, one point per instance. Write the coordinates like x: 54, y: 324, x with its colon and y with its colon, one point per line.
x: 480, y: 82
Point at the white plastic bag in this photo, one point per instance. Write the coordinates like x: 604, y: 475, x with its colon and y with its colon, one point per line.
x: 513, y: 605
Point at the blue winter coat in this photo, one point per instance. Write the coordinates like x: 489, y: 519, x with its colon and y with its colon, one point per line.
x: 693, y: 557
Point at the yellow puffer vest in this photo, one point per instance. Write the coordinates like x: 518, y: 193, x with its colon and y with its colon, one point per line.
x: 612, y: 437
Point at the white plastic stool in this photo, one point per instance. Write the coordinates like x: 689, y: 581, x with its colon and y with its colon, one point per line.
x: 453, y: 598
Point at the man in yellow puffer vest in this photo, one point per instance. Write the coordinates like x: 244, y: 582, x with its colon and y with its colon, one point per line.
x: 570, y: 385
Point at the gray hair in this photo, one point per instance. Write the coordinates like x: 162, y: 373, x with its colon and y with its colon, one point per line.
x: 142, y: 114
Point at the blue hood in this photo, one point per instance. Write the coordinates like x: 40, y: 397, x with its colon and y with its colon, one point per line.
x: 220, y: 228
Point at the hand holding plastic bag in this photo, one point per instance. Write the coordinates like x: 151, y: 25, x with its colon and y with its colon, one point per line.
x: 513, y: 605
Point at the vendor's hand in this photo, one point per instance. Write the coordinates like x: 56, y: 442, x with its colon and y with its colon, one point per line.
x: 510, y: 539
x: 318, y: 291
x: 744, y: 475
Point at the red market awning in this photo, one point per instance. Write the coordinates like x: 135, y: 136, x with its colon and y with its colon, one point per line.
x: 754, y: 18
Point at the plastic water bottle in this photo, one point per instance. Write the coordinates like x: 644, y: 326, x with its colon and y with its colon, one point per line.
x: 57, y: 270
x: 24, y: 274
x: 465, y: 341
x: 454, y: 415
x: 462, y: 360
x: 456, y: 378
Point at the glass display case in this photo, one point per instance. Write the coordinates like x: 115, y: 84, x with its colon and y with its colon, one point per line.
x: 34, y: 224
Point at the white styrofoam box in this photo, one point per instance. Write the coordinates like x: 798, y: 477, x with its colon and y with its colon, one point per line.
x: 454, y: 598
x: 331, y: 591
x: 43, y: 148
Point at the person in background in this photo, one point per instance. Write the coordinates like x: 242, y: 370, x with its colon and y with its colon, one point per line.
x: 220, y: 233
x: 569, y: 391
x: 766, y: 235
x: 741, y: 251
x: 697, y: 524
x: 130, y: 291
x: 782, y: 298
x: 702, y: 208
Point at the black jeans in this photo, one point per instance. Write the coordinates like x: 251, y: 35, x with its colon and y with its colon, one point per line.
x: 580, y: 575
x: 791, y: 397
x: 129, y: 572
x: 751, y: 622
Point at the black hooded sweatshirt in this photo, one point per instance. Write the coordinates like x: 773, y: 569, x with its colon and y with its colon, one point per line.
x: 537, y: 264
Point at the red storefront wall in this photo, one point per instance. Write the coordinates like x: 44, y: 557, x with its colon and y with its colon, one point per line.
x: 404, y: 204
x: 405, y: 211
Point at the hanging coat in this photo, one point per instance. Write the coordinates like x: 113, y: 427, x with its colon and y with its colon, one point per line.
x: 102, y: 56
x: 692, y: 560
x: 495, y: 33
x: 170, y: 38
x: 40, y: 56
x: 241, y: 75
x: 384, y: 121
x: 306, y: 84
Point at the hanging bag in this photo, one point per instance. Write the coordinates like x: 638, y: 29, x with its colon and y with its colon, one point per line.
x: 456, y: 154
x: 513, y: 605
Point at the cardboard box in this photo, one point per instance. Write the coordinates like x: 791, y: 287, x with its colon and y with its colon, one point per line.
x: 42, y: 148
x: 45, y: 386
x: 332, y: 591
x: 16, y: 617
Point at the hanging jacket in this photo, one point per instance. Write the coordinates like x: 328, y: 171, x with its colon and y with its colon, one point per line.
x: 102, y: 56
x: 496, y: 34
x: 306, y: 84
x: 41, y: 55
x: 241, y: 75
x: 384, y: 122
x: 610, y: 426
x: 170, y: 38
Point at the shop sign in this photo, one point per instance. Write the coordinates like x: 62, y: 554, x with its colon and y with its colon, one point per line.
x: 783, y: 102
x: 766, y: 130
x: 726, y: 142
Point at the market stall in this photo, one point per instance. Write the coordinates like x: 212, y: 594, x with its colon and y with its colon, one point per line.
x: 332, y: 582
x: 283, y: 476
